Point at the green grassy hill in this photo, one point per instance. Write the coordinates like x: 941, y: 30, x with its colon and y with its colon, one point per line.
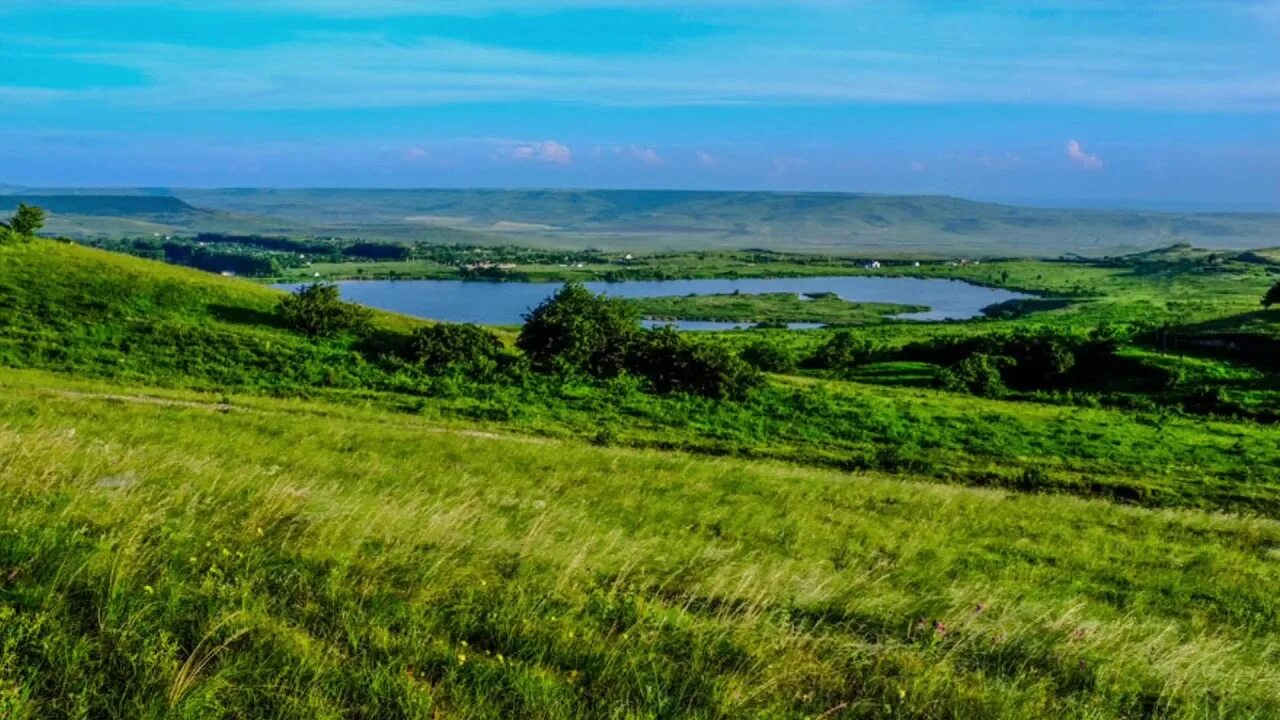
x: 278, y: 559
x: 843, y: 222
x: 208, y: 515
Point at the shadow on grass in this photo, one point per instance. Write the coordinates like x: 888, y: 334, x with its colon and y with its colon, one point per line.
x: 246, y: 316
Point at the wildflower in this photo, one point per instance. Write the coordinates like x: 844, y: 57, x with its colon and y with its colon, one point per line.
x: 461, y: 658
x: 148, y: 590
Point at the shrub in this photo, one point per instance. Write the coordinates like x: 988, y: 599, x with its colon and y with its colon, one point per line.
x: 770, y: 356
x: 672, y: 363
x: 1272, y: 297
x: 1034, y: 359
x: 318, y: 310
x: 578, y: 330
x: 979, y: 374
x: 844, y: 350
x: 27, y: 220
x: 444, y: 345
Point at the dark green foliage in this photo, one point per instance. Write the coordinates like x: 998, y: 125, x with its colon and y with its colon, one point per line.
x: 27, y: 220
x: 318, y: 310
x: 220, y: 261
x: 1272, y: 297
x: 979, y: 374
x: 673, y: 363
x: 846, y: 349
x: 378, y: 251
x: 454, y: 345
x: 770, y: 356
x: 1031, y: 359
x: 579, y: 331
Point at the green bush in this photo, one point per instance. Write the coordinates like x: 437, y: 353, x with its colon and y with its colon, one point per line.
x: 579, y: 331
x: 1272, y: 297
x: 445, y: 345
x: 844, y: 350
x: 979, y: 374
x: 318, y: 311
x: 672, y: 363
x: 770, y: 356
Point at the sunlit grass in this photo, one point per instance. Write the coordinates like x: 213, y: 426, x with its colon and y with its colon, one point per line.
x: 273, y: 563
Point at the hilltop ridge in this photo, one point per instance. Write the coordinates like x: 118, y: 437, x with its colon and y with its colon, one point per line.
x: 842, y: 223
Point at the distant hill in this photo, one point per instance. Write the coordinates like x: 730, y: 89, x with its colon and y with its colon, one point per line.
x: 646, y: 220
x: 828, y: 222
x: 101, y: 205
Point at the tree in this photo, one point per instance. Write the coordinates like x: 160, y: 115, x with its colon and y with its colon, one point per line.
x: 770, y: 356
x: 575, y: 329
x: 27, y: 220
x: 843, y: 351
x: 445, y: 345
x: 673, y: 363
x: 979, y: 374
x: 318, y: 310
x: 1272, y: 297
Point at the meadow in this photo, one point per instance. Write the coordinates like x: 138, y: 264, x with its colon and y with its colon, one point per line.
x: 827, y: 308
x: 299, y: 559
x: 211, y: 514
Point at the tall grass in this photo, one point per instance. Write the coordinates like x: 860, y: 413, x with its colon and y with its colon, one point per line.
x: 171, y: 561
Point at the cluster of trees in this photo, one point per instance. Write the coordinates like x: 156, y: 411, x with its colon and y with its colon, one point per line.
x: 574, y: 332
x: 577, y: 331
x: 1026, y: 359
x: 843, y: 351
x: 25, y: 222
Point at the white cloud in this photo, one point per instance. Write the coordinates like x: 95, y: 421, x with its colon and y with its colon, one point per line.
x: 548, y: 151
x: 706, y: 159
x: 1078, y: 156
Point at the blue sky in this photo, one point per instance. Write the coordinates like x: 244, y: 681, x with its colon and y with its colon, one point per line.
x: 1159, y: 103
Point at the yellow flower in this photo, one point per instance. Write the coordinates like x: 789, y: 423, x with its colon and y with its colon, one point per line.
x: 148, y: 590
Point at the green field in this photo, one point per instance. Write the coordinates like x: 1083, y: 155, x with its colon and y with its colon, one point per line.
x: 826, y: 308
x: 209, y: 514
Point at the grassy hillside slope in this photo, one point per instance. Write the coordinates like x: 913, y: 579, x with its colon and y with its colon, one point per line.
x: 208, y: 515
x: 304, y: 560
x: 76, y: 310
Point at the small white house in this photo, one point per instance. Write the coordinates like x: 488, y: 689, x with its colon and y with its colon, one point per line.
x: 873, y: 265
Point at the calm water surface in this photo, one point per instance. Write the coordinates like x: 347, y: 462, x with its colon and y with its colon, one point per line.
x: 493, y: 303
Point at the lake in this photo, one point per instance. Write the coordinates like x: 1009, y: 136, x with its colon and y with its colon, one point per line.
x: 498, y: 303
